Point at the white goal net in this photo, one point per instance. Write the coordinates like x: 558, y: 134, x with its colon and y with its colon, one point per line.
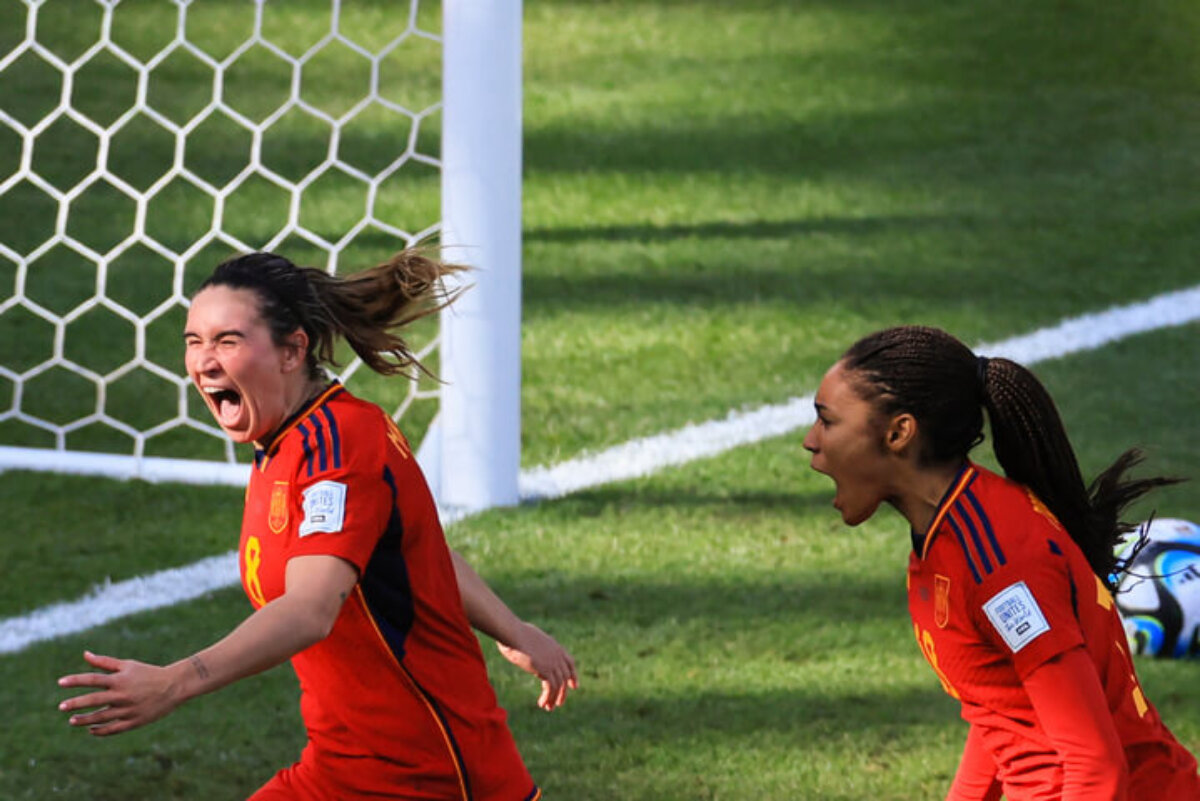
x: 143, y: 142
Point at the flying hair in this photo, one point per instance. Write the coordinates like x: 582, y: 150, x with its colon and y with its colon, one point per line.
x: 368, y: 309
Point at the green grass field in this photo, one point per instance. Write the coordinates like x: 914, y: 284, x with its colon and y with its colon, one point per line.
x: 719, y: 197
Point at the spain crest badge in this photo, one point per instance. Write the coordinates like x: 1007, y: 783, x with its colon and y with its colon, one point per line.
x: 941, y: 600
x: 277, y: 517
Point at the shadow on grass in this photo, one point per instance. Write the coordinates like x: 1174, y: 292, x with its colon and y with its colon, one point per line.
x: 758, y: 229
x: 809, y: 715
x: 647, y: 496
x: 625, y: 606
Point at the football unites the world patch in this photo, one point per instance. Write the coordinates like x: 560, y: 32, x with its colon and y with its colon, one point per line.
x: 1016, y: 615
x: 324, y: 508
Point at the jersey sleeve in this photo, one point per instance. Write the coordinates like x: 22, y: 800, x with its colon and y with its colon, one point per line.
x: 1026, y: 608
x: 344, y: 504
x: 1069, y: 700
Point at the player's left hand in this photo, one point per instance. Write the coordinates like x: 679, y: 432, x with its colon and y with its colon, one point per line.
x: 129, y: 694
x: 536, y: 652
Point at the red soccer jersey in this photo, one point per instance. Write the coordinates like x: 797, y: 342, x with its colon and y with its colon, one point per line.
x: 996, y: 588
x: 396, y: 700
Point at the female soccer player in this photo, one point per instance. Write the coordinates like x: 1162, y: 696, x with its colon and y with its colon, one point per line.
x: 341, y: 554
x: 1009, y: 582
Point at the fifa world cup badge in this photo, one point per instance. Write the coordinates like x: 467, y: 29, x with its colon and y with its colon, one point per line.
x: 941, y: 600
x: 277, y: 517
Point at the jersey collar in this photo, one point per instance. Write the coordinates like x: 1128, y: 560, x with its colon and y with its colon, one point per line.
x: 966, y: 475
x: 261, y: 455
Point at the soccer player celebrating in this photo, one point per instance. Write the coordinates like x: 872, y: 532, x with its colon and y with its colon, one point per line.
x: 341, y: 554
x: 1010, y: 578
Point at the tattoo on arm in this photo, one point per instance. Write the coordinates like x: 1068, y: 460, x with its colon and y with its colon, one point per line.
x: 198, y: 664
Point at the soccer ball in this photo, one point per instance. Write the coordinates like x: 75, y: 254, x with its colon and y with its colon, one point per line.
x: 1159, y: 596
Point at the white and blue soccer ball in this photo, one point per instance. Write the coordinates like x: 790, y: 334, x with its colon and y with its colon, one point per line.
x: 1159, y: 595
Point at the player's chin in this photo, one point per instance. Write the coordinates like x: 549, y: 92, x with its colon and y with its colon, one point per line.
x: 853, y: 513
x: 239, y: 434
x: 851, y: 518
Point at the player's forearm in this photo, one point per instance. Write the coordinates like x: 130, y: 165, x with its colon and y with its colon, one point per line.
x: 270, y: 636
x: 485, y: 611
x: 1071, y: 706
x: 975, y: 779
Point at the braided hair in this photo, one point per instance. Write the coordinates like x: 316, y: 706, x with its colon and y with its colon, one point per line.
x: 945, y: 387
x: 365, y: 308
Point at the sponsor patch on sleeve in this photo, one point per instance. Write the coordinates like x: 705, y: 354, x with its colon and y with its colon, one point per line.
x: 324, y: 508
x: 1016, y: 615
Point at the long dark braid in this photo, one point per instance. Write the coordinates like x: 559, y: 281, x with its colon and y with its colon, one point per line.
x: 931, y: 375
x: 1031, y: 445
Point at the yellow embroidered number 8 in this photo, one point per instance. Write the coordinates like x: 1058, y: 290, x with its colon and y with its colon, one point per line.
x: 253, y: 557
x: 925, y: 640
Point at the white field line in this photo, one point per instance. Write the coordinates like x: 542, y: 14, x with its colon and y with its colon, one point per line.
x: 641, y: 457
x: 633, y: 459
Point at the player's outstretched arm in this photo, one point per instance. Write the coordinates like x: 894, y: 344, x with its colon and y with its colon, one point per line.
x: 127, y: 694
x: 523, y: 644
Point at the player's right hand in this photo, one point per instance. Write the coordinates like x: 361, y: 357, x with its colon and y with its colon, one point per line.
x: 129, y: 694
x: 536, y: 652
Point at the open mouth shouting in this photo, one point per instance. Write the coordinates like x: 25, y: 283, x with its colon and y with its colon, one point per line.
x: 235, y: 364
x: 225, y: 404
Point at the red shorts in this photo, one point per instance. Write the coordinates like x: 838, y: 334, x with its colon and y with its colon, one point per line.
x: 288, y: 785
x: 297, y: 783
x: 304, y: 782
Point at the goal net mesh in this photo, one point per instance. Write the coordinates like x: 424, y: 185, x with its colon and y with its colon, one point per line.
x: 141, y: 143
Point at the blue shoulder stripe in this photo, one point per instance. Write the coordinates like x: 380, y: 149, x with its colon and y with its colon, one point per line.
x: 966, y: 552
x: 987, y: 526
x: 319, y: 436
x: 334, y: 438
x: 961, y: 508
x: 308, y: 452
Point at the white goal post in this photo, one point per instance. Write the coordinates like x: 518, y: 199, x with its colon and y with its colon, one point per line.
x: 471, y: 453
x: 478, y: 431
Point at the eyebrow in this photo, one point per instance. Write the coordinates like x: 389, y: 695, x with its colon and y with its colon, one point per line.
x: 232, y: 332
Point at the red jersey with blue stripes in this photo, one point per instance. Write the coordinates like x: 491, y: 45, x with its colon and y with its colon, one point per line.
x: 996, y: 588
x: 396, y: 700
